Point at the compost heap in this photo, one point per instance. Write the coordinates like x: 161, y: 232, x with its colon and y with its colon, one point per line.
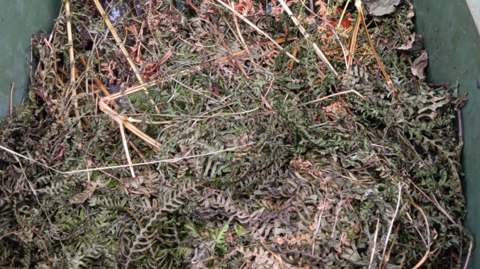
x: 186, y: 135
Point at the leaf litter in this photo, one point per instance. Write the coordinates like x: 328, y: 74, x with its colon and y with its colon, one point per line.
x: 222, y: 134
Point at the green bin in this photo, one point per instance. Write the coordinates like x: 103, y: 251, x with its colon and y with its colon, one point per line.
x: 451, y: 35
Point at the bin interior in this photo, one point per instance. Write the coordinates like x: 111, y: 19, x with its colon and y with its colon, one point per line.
x: 449, y: 32
x: 453, y: 43
x: 19, y: 20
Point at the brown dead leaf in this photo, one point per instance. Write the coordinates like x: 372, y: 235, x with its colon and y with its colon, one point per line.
x: 333, y: 110
x: 411, y: 39
x: 418, y: 66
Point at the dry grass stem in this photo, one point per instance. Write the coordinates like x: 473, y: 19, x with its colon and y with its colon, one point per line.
x: 374, y: 243
x: 125, y: 145
x: 319, y: 224
x: 332, y: 95
x: 358, y: 4
x: 353, y: 40
x: 307, y: 36
x: 256, y: 28
x: 126, y: 122
x: 124, y: 51
x: 399, y: 185
x: 72, y: 62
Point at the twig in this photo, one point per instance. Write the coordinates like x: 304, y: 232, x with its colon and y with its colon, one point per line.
x: 11, y: 100
x: 358, y: 4
x: 174, y: 160
x: 209, y: 259
x: 318, y: 226
x: 270, y: 87
x: 353, y: 41
x: 374, y: 243
x: 428, y: 236
x: 393, y: 218
x: 343, y: 49
x: 14, y: 232
x: 307, y: 36
x: 468, y: 256
x: 387, y: 259
x: 437, y: 204
x: 72, y: 62
x: 125, y: 146
x: 256, y: 28
x: 235, y: 21
x: 124, y: 51
x: 126, y: 122
x: 343, y: 13
x: 332, y: 95
x: 460, y: 135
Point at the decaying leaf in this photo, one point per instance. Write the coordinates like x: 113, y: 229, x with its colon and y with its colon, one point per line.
x: 419, y: 65
x: 381, y: 7
x: 414, y: 44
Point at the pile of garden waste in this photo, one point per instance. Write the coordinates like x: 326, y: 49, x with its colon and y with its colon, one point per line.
x: 233, y: 134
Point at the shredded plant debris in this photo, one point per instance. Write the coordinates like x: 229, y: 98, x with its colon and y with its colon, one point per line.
x: 224, y: 134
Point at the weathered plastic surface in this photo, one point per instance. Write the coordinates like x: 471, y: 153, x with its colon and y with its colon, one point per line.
x: 449, y: 31
x: 453, y: 45
x: 19, y: 19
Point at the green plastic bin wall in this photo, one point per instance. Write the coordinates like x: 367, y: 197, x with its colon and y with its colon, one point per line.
x: 19, y: 20
x: 453, y: 43
x: 449, y: 31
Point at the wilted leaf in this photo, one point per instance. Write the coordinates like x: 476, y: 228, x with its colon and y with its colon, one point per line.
x: 415, y: 44
x: 419, y: 65
x: 381, y: 7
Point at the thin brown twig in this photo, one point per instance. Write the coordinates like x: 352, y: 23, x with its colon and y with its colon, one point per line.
x: 207, y: 260
x: 307, y: 36
x: 124, y: 51
x: 468, y: 256
x: 256, y: 28
x: 14, y: 232
x: 11, y: 99
x: 240, y: 36
x: 270, y: 87
x: 428, y: 236
x: 358, y: 4
x: 353, y: 41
